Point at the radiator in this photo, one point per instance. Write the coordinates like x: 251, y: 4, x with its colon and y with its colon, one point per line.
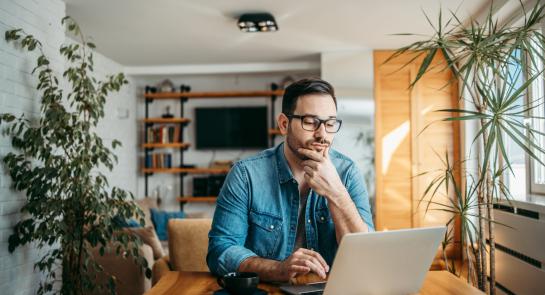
x: 520, y: 249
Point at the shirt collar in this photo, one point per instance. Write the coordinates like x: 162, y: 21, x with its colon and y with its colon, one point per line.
x: 284, y: 171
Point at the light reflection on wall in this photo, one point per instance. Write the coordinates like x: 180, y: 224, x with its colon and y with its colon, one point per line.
x: 391, y: 142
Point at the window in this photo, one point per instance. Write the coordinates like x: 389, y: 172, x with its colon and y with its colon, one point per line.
x: 536, y: 98
x: 516, y: 180
x: 528, y: 175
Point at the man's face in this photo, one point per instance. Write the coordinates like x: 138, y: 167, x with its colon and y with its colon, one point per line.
x: 319, y: 105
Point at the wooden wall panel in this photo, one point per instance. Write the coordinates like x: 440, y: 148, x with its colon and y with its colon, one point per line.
x: 402, y: 149
x: 434, y: 92
x: 395, y: 165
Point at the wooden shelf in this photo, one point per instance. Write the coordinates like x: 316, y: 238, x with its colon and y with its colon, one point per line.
x: 274, y: 131
x: 191, y: 199
x: 166, y: 145
x: 183, y: 97
x: 217, y: 94
x: 187, y: 170
x: 166, y: 120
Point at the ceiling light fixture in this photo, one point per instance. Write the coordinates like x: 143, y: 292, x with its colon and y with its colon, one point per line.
x: 257, y: 22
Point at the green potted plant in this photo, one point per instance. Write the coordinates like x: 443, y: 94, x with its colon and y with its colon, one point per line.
x: 56, y: 162
x: 495, y: 65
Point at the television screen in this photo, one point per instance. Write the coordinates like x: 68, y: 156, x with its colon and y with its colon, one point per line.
x: 230, y: 128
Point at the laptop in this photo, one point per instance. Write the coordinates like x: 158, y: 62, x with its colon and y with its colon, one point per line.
x: 388, y: 262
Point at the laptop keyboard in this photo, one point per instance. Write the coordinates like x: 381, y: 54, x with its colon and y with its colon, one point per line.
x: 310, y: 289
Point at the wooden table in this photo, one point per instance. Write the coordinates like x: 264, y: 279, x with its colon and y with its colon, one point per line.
x: 436, y: 282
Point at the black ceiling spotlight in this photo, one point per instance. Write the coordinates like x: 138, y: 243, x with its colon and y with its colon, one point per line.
x: 257, y: 22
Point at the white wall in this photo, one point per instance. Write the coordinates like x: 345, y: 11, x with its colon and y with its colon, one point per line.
x: 351, y: 73
x: 202, y: 158
x: 17, y: 95
x: 119, y: 123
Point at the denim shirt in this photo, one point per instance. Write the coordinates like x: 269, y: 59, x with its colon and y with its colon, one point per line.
x: 257, y: 208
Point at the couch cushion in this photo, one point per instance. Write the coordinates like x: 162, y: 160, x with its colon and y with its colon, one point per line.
x: 160, y: 219
x: 149, y: 237
x: 146, y: 204
x: 131, y: 278
x: 188, y: 243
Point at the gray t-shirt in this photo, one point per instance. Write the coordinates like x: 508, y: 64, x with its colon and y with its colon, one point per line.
x: 301, y: 238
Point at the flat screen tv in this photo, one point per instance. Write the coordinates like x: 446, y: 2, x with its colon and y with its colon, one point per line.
x: 231, y: 128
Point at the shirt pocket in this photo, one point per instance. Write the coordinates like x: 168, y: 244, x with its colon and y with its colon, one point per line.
x: 264, y: 233
x: 323, y: 216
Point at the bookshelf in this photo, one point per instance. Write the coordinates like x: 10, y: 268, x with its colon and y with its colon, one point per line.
x: 166, y: 120
x: 182, y: 145
x: 187, y: 170
x: 190, y: 199
x: 274, y: 131
x: 155, y: 139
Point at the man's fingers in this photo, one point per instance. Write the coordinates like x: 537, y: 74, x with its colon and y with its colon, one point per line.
x: 314, y: 155
x: 302, y: 258
x: 298, y: 269
x: 309, y: 260
x: 311, y: 163
x: 315, y: 266
x: 326, y: 152
x: 298, y: 266
x: 312, y: 260
x: 308, y: 170
x: 311, y: 182
x: 318, y: 257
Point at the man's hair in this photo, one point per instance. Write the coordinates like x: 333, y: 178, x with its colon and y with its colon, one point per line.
x: 302, y: 88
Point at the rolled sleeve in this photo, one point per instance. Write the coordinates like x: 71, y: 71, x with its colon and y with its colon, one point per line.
x: 230, y: 224
x: 357, y: 190
x: 231, y: 258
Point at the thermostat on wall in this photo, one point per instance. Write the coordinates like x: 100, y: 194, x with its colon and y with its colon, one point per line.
x: 122, y: 113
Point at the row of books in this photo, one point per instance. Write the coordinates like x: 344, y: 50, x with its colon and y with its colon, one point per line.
x: 159, y: 160
x: 163, y: 134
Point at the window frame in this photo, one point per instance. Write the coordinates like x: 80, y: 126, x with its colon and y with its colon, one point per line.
x: 532, y: 186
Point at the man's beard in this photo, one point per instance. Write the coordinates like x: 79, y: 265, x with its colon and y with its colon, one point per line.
x: 293, y: 144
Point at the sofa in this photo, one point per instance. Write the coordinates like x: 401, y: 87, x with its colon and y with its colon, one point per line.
x: 132, y: 279
x: 188, y: 245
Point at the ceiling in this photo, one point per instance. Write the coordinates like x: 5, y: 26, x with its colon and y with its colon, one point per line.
x: 185, y: 32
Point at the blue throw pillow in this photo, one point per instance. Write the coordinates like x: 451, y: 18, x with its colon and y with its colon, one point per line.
x: 133, y: 223
x: 160, y: 220
x: 125, y: 223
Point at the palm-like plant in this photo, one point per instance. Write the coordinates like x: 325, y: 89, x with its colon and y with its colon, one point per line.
x: 489, y: 60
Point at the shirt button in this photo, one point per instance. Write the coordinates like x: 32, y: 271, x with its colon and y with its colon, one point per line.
x: 294, y: 181
x: 308, y: 221
x: 322, y: 218
x: 293, y: 228
x: 272, y: 226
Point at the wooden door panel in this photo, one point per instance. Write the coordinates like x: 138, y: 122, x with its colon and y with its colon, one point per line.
x: 395, y: 146
x: 402, y: 150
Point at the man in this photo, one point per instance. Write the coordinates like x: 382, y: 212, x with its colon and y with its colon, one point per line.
x: 283, y: 212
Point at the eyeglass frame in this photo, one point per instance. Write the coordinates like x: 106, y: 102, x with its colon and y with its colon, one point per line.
x: 302, y: 117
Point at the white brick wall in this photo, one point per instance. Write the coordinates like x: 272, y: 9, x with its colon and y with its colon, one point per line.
x: 17, y: 95
x: 41, y: 18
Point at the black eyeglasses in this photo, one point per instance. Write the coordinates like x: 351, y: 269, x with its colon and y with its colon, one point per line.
x: 312, y: 123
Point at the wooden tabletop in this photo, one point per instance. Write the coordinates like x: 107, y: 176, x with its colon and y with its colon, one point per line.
x: 436, y: 282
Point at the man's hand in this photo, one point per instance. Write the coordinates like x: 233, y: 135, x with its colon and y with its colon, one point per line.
x: 320, y: 173
x: 303, y: 261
